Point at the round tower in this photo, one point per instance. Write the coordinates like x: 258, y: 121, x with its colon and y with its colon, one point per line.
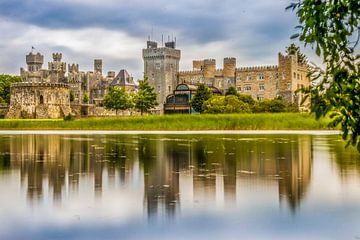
x: 34, y: 61
x: 209, y: 68
x: 229, y: 67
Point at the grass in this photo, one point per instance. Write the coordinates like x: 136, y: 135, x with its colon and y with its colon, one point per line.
x: 265, y: 121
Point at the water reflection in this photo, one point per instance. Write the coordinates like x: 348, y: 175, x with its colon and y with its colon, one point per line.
x: 178, y: 172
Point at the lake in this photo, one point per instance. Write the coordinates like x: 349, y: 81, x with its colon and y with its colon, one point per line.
x: 188, y: 186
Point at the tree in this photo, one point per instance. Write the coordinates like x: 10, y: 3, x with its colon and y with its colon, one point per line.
x: 231, y: 91
x: 85, y: 98
x: 117, y: 99
x: 246, y: 99
x: 203, y: 93
x: 5, y: 84
x: 295, y: 50
x: 145, y: 98
x: 332, y: 28
x: 225, y: 104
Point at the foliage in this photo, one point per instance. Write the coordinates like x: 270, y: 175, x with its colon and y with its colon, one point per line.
x: 203, y: 93
x: 269, y: 105
x: 332, y: 28
x: 69, y: 117
x: 231, y: 91
x: 295, y: 50
x: 225, y: 104
x: 5, y: 83
x: 246, y: 99
x: 72, y: 96
x: 145, y: 98
x: 117, y: 99
x: 85, y: 98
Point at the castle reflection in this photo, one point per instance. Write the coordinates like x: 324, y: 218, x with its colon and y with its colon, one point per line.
x: 177, y: 171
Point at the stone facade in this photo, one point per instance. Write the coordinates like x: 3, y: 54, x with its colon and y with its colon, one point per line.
x: 161, y: 65
x: 39, y: 100
x: 261, y: 82
x: 45, y: 93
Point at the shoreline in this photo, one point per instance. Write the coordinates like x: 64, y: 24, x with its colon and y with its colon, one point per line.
x: 156, y: 132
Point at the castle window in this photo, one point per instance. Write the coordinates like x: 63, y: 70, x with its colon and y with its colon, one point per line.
x: 239, y: 89
x: 294, y: 75
x: 248, y: 77
x: 261, y: 87
x: 298, y: 76
x: 289, y: 86
x: 260, y: 76
x: 276, y: 75
x: 238, y: 78
x: 157, y: 66
x: 247, y: 88
x: 260, y: 97
x: 169, y: 89
x: 41, y: 99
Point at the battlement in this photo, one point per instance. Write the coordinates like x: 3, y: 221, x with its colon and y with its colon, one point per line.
x: 229, y: 60
x: 150, y: 53
x: 196, y: 72
x: 73, y: 67
x: 285, y: 57
x: 257, y: 68
x: 39, y: 84
x: 209, y: 61
x: 57, y: 57
x: 32, y: 58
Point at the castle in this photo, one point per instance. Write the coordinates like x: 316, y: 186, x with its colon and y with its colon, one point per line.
x: 175, y: 88
x: 55, y: 93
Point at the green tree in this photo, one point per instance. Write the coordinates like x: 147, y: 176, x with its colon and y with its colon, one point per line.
x: 145, y: 98
x: 231, y: 91
x: 331, y: 27
x: 225, y: 104
x: 5, y: 84
x: 117, y: 99
x: 203, y: 93
x: 85, y: 98
x: 246, y: 99
x: 215, y: 104
x: 295, y: 50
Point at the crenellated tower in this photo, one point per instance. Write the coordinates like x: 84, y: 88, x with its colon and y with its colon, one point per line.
x: 57, y: 69
x: 161, y: 65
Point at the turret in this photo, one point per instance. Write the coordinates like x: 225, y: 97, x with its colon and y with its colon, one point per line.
x: 209, y: 68
x: 229, y: 67
x: 98, y: 66
x: 34, y: 61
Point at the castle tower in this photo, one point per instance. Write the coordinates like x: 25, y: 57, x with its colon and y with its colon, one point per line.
x: 209, y: 68
x: 229, y: 67
x: 34, y: 62
x: 198, y: 65
x: 229, y: 73
x: 98, y: 66
x: 161, y: 65
x: 57, y: 69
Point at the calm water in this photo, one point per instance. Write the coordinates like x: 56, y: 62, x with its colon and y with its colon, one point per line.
x: 178, y: 187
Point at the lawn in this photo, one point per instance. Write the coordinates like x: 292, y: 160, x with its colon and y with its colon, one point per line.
x: 263, y: 121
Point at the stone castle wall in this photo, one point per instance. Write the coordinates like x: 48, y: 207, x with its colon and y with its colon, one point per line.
x: 39, y: 100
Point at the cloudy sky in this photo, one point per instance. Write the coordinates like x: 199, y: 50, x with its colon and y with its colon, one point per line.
x: 253, y: 31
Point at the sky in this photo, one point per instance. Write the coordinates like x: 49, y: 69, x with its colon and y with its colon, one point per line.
x: 117, y: 30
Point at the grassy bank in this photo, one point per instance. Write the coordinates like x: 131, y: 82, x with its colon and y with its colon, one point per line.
x: 267, y: 121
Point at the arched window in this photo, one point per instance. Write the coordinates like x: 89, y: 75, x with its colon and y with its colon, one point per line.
x: 41, y: 99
